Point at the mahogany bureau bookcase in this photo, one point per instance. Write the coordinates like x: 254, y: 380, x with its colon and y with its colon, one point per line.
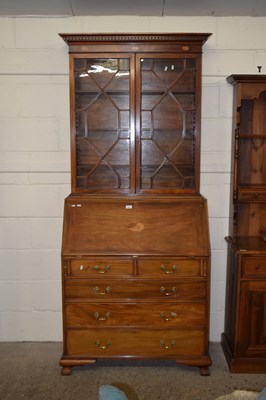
x: 135, y: 249
x: 244, y: 337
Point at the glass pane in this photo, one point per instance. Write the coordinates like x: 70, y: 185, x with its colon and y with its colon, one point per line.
x: 102, y: 123
x: 168, y: 123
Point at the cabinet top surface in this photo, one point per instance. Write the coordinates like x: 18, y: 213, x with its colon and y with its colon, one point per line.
x: 249, y: 78
x: 246, y: 245
x: 70, y: 38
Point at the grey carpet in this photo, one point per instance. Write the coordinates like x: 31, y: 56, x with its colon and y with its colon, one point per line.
x: 31, y: 371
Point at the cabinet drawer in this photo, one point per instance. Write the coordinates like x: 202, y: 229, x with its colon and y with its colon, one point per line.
x: 135, y: 289
x: 144, y: 343
x: 92, y: 267
x: 187, y: 315
x: 170, y: 267
x: 252, y: 194
x: 253, y: 266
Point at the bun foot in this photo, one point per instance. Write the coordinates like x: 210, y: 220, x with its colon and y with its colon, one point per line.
x: 66, y: 371
x: 204, y: 371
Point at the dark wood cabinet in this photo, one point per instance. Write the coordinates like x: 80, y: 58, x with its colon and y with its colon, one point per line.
x: 244, y: 340
x: 135, y: 250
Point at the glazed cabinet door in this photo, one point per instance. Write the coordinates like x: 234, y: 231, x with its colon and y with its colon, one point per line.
x: 102, y: 119
x: 167, y: 122
x: 252, y: 320
x: 135, y: 123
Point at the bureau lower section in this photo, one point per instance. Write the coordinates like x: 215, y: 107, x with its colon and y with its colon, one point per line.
x: 135, y: 307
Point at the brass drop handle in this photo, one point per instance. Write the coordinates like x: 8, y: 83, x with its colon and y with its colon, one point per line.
x: 102, y: 270
x: 104, y: 346
x: 167, y: 347
x: 163, y: 290
x: 106, y: 291
x: 166, y: 271
x: 172, y: 316
x: 103, y: 318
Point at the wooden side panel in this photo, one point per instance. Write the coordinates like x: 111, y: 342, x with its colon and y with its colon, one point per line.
x: 231, y: 298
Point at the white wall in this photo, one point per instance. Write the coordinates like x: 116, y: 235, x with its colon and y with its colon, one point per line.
x: 34, y: 145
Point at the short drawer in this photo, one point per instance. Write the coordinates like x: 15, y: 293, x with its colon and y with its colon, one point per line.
x: 187, y: 315
x: 253, y: 267
x: 144, y: 343
x: 92, y: 289
x: 90, y: 267
x: 176, y: 267
x: 252, y: 194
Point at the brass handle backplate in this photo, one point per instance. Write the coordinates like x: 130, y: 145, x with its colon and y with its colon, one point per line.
x: 102, y: 318
x: 172, y: 316
x: 103, y: 346
x: 101, y: 270
x: 167, y: 347
x: 167, y: 271
x: 168, y: 293
x: 107, y: 290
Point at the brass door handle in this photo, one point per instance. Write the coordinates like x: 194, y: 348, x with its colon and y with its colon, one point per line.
x: 172, y: 316
x: 103, y: 318
x: 167, y: 271
x: 166, y: 293
x: 104, y: 346
x: 167, y: 347
x: 106, y: 291
x: 102, y: 270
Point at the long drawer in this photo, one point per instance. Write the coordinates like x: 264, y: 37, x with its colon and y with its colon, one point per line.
x: 135, y: 289
x: 157, y: 315
x: 144, y: 343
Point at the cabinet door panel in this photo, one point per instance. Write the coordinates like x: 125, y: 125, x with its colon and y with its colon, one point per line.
x: 103, y: 103
x: 167, y: 123
x: 252, y: 327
